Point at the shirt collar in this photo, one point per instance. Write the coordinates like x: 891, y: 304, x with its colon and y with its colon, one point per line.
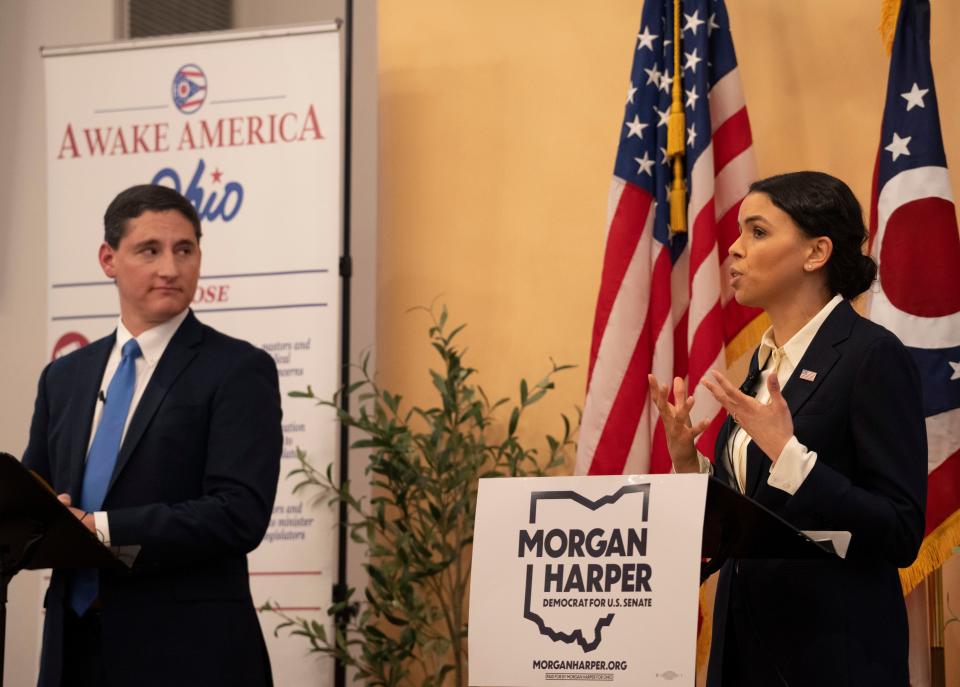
x: 153, y: 342
x: 794, y: 349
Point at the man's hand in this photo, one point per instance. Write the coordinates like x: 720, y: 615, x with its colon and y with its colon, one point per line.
x: 86, y: 518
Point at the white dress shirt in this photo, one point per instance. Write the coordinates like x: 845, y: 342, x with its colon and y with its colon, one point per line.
x: 153, y: 342
x: 795, y: 461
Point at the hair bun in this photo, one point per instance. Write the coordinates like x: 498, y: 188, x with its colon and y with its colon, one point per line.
x: 861, y: 276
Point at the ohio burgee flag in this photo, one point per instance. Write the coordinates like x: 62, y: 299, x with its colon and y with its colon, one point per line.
x: 915, y: 242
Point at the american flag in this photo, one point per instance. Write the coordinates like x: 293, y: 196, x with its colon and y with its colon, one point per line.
x: 665, y: 304
x: 914, y: 239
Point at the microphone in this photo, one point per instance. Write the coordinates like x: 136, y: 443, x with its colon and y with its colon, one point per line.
x: 102, y: 397
x: 750, y: 381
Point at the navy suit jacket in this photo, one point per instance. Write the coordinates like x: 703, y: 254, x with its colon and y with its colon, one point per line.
x: 835, y: 622
x: 194, y: 486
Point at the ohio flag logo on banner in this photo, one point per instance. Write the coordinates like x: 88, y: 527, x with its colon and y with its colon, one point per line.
x: 914, y: 240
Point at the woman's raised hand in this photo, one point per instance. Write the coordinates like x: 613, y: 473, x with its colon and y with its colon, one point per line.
x: 680, y: 431
x: 769, y: 424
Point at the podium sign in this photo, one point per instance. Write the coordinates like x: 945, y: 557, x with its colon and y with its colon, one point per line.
x: 586, y: 579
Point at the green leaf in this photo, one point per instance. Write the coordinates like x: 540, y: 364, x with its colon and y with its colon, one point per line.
x: 374, y: 632
x: 394, y: 620
x: 443, y: 318
x: 356, y: 385
x: 377, y: 576
x: 537, y: 395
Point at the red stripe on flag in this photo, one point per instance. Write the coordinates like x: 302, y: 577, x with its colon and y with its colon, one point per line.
x: 728, y: 230
x: 626, y: 227
x: 660, y: 462
x: 943, y: 491
x: 731, y: 138
x: 681, y: 362
x: 707, y: 344
x: 707, y: 442
x: 704, y: 237
x: 612, y: 449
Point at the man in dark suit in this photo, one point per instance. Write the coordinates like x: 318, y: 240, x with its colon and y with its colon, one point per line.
x: 164, y: 438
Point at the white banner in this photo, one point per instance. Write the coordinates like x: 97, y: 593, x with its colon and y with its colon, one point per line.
x: 586, y: 579
x: 248, y: 127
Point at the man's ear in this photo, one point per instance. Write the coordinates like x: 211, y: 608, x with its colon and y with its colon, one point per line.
x: 107, y: 257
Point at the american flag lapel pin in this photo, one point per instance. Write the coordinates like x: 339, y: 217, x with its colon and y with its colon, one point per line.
x: 808, y: 375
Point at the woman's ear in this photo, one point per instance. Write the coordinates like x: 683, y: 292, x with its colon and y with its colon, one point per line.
x: 821, y: 248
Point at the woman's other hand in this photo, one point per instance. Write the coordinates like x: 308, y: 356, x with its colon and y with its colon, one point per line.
x: 769, y: 424
x: 680, y: 431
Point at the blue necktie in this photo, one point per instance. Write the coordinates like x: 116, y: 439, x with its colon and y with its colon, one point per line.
x: 102, y: 459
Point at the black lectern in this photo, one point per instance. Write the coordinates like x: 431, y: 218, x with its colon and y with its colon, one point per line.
x: 735, y: 526
x: 37, y: 531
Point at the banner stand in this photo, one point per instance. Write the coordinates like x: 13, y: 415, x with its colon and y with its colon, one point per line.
x: 248, y: 126
x: 339, y: 592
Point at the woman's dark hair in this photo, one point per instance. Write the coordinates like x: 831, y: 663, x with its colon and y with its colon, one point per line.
x: 822, y: 205
x: 135, y: 201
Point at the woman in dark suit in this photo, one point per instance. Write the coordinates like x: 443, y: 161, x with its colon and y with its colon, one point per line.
x: 828, y: 432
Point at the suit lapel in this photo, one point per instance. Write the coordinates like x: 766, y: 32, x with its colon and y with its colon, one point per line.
x: 178, y: 354
x: 723, y: 461
x: 90, y: 367
x: 754, y: 460
x: 820, y: 357
x: 755, y: 468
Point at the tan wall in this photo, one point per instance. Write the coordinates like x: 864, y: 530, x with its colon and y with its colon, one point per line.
x: 499, y: 121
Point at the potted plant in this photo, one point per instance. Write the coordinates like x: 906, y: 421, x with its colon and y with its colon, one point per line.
x: 424, y: 463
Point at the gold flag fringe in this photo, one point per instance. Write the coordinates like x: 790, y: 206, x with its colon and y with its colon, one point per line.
x: 747, y: 338
x: 889, y: 11
x: 936, y: 548
x: 706, y: 629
